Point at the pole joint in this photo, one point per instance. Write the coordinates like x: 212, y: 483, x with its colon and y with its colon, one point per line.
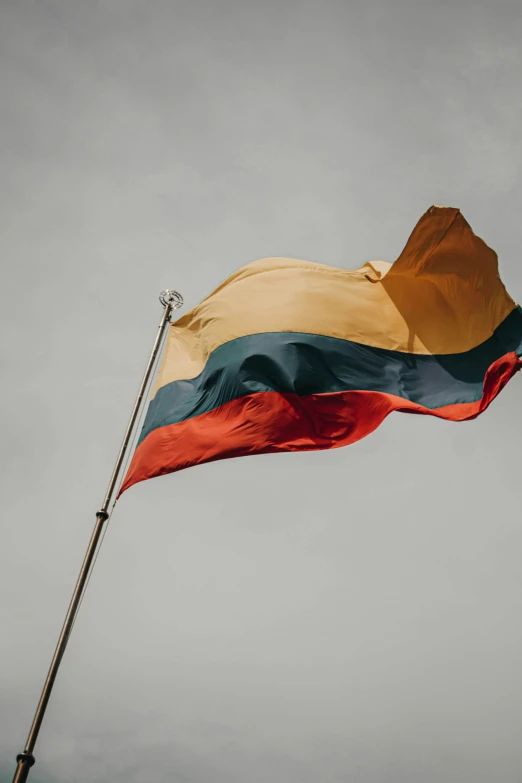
x: 26, y: 758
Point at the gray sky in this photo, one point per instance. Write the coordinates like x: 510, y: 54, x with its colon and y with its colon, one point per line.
x: 351, y: 615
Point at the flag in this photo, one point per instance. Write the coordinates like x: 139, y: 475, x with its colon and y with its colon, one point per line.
x: 288, y: 355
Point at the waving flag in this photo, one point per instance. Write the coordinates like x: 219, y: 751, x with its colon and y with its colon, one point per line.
x: 289, y: 355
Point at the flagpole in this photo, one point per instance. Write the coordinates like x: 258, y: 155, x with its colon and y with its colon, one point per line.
x: 170, y: 300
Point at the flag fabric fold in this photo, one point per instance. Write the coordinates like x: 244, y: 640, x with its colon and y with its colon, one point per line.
x: 288, y: 355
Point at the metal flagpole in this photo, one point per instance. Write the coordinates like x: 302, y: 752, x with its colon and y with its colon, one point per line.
x: 170, y: 300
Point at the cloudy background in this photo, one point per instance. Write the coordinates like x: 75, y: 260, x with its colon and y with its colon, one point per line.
x: 352, y: 615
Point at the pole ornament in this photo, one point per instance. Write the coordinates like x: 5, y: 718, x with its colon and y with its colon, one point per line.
x: 171, y: 298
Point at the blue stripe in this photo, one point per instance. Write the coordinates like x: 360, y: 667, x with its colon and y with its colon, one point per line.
x: 305, y: 364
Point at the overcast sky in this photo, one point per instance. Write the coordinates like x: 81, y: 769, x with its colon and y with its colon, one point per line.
x: 352, y: 615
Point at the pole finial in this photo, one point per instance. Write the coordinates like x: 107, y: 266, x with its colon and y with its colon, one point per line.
x: 172, y: 298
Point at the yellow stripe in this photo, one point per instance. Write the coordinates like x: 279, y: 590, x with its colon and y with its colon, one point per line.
x: 443, y: 295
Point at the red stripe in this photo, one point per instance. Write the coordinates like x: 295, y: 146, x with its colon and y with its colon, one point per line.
x: 268, y: 422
